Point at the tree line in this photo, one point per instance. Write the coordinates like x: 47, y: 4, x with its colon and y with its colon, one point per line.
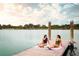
x: 38, y: 26
x: 26, y: 26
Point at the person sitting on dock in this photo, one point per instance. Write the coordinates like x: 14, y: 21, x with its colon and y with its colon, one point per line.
x: 43, y: 42
x: 57, y: 43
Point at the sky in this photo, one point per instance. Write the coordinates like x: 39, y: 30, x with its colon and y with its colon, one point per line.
x: 38, y: 13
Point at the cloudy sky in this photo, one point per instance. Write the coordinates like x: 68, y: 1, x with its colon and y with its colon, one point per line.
x: 38, y: 13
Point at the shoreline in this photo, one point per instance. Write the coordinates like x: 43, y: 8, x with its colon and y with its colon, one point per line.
x: 37, y: 29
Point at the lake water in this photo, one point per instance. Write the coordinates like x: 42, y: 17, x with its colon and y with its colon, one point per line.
x: 14, y: 41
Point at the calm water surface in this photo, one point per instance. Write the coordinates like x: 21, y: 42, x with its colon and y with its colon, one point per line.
x: 14, y: 41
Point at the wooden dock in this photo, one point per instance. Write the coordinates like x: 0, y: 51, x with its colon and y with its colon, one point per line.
x: 36, y: 51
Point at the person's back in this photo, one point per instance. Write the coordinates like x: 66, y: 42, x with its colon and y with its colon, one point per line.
x: 58, y: 42
x: 45, y: 40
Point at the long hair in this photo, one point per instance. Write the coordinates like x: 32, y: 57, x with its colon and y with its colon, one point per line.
x: 59, y: 36
x: 45, y: 36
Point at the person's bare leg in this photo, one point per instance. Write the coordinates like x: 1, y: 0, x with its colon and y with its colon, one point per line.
x: 41, y: 45
x: 51, y: 46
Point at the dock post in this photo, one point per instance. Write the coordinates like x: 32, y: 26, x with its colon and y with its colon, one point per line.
x: 49, y: 30
x: 72, y: 30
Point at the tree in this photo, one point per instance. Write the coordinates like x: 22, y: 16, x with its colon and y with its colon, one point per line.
x: 31, y: 26
x: 4, y: 26
x: 9, y: 26
x: 26, y: 26
x: 44, y: 26
x: 37, y: 26
x: 0, y: 26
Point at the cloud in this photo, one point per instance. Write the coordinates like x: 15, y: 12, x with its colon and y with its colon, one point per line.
x: 13, y: 13
x: 37, y: 13
x: 70, y: 10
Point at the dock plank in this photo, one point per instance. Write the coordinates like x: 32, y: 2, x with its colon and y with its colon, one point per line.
x: 36, y: 51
